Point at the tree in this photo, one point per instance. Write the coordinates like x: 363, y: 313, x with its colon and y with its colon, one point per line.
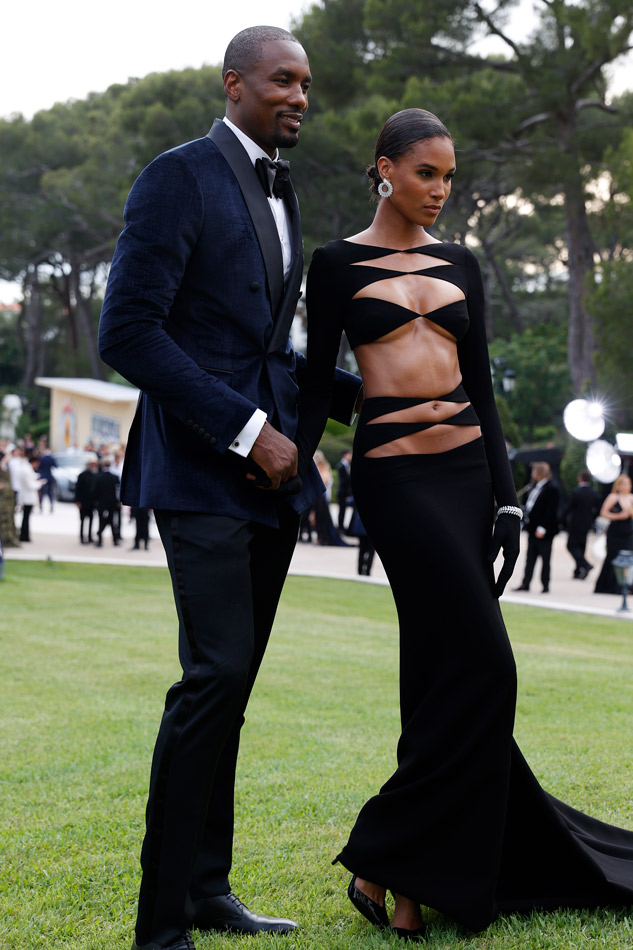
x: 58, y: 201
x: 612, y: 299
x: 544, y: 126
x: 541, y: 191
x: 64, y: 177
x: 612, y: 295
x: 538, y: 357
x: 562, y: 68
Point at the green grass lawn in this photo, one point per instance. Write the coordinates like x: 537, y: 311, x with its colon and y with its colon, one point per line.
x: 88, y: 653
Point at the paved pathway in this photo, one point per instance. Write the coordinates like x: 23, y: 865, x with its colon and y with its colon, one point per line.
x: 56, y: 536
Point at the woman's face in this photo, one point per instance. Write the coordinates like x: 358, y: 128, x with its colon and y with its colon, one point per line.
x: 421, y: 179
x: 624, y: 485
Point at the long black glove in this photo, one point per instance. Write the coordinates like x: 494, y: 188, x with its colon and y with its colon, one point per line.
x: 506, y: 535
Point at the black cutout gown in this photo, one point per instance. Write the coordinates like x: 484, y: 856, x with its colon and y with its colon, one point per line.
x: 462, y: 825
x: 619, y: 538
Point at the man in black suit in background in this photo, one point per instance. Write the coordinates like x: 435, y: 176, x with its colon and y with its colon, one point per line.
x: 200, y: 300
x: 344, y: 488
x: 582, y: 510
x: 107, y: 500
x: 541, y: 524
x: 85, y: 497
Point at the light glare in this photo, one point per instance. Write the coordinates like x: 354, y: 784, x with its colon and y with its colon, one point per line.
x: 603, y: 461
x: 624, y: 442
x: 584, y: 420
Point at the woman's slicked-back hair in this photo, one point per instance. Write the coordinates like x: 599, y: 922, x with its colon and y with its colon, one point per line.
x: 245, y: 49
x: 400, y: 132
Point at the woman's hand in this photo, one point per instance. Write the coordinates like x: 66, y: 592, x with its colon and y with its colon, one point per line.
x: 505, y: 536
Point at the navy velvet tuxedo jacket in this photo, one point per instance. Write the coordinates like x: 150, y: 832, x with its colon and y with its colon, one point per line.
x: 196, y: 315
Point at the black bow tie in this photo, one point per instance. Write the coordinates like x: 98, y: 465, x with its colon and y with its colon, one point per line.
x: 274, y: 176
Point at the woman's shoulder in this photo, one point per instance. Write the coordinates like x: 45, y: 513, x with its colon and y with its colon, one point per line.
x: 340, y: 249
x: 333, y: 257
x: 450, y: 251
x: 463, y: 254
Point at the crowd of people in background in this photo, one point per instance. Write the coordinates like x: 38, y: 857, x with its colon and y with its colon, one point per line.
x: 545, y: 514
x: 22, y: 486
x: 27, y: 483
x: 317, y: 523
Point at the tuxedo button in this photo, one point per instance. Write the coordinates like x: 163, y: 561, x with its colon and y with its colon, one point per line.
x: 254, y: 286
x: 212, y: 439
x: 195, y: 426
x: 189, y: 423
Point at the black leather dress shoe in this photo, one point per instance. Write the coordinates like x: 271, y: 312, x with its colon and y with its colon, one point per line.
x: 227, y: 912
x: 373, y: 912
x: 184, y: 942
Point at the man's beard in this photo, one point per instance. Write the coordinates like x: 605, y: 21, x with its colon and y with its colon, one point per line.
x: 284, y: 138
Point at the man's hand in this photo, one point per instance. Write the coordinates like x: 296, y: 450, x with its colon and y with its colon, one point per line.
x: 276, y: 455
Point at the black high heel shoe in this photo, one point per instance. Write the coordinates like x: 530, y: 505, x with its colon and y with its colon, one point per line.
x: 415, y: 935
x: 373, y: 912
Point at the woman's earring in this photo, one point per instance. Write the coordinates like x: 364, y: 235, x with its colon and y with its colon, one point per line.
x: 385, y: 188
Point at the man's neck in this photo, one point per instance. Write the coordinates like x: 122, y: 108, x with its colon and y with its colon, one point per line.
x: 254, y: 150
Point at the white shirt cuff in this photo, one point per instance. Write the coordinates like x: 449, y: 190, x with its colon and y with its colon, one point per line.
x: 245, y: 440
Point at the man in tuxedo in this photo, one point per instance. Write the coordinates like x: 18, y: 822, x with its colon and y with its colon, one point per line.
x: 541, y: 524
x: 198, y: 308
x: 581, y: 512
x: 107, y: 501
x: 86, y: 497
x: 344, y: 489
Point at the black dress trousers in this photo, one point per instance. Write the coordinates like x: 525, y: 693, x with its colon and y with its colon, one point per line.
x: 227, y: 576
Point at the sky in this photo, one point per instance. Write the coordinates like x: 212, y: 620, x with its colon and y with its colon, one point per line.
x: 56, y: 52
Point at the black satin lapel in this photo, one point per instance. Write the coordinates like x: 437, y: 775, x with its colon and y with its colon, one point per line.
x: 257, y: 204
x: 286, y: 313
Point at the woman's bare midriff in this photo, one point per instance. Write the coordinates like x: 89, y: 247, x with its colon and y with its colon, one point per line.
x: 440, y: 438
x: 392, y: 365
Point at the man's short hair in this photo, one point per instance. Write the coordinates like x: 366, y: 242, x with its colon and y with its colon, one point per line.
x: 245, y: 49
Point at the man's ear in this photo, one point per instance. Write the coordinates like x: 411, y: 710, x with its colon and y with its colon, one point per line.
x: 232, y: 84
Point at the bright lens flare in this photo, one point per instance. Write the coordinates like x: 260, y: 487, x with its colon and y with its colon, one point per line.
x: 584, y: 420
x: 603, y: 461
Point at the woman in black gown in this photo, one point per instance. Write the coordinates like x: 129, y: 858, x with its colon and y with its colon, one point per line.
x: 618, y: 509
x: 462, y: 825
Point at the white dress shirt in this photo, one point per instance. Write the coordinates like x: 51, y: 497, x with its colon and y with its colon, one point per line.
x: 534, y: 493
x: 244, y: 440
